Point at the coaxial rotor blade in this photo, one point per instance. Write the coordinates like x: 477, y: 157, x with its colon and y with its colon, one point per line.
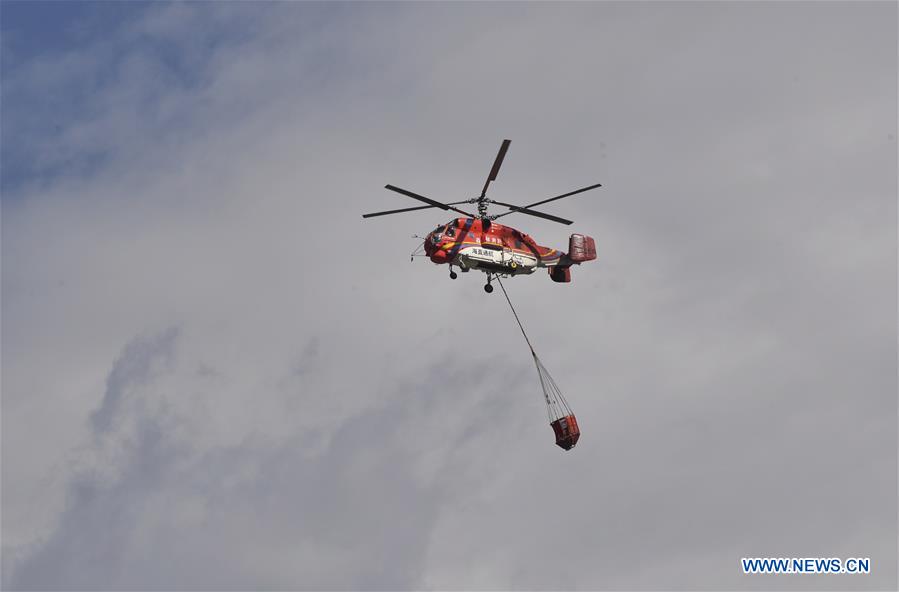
x: 496, y: 164
x: 522, y: 210
x: 374, y: 214
x: 563, y: 195
x: 427, y: 200
x: 537, y: 203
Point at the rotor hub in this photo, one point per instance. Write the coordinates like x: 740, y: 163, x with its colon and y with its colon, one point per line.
x: 482, y: 208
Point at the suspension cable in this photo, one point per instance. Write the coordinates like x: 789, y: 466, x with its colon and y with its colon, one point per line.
x: 556, y: 405
x: 520, y: 326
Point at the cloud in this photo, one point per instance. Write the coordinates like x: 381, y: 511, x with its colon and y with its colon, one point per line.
x: 216, y: 375
x: 339, y: 518
x: 133, y: 368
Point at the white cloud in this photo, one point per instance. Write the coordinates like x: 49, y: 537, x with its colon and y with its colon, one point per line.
x: 212, y: 364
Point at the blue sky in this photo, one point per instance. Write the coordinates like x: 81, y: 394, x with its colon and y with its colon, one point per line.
x: 34, y: 31
x: 59, y: 56
x: 216, y: 374
x: 35, y: 28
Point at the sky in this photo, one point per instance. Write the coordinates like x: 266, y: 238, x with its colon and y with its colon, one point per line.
x: 217, y: 375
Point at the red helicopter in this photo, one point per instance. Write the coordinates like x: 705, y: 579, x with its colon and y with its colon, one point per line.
x: 477, y: 242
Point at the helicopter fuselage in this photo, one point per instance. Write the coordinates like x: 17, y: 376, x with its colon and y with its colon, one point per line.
x: 476, y: 243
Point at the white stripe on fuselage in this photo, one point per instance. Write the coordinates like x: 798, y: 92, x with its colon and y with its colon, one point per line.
x: 475, y: 256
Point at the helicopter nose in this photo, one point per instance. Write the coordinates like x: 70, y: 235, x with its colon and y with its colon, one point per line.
x: 439, y: 256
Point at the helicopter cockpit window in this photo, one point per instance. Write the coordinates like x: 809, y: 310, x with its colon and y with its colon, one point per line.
x: 450, y: 230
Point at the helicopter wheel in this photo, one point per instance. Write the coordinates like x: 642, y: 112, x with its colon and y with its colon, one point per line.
x: 488, y: 288
x: 453, y: 275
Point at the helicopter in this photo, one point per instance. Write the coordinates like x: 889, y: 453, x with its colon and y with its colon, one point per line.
x: 476, y: 241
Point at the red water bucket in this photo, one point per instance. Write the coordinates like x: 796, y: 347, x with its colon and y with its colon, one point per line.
x: 567, y: 431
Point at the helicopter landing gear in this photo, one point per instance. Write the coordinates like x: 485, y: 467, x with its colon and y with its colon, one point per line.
x: 488, y: 288
x: 453, y: 274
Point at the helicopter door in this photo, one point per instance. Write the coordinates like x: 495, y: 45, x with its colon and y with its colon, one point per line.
x: 509, y: 257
